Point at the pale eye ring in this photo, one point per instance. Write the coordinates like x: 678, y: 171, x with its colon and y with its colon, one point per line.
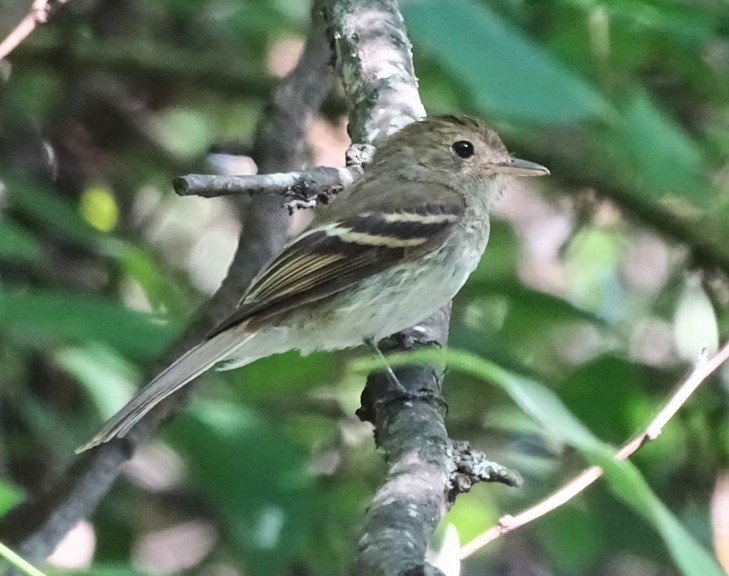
x: 463, y: 148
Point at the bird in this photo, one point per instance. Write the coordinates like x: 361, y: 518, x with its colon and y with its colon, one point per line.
x: 394, y: 247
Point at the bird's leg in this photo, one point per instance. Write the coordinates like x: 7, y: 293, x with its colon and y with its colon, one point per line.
x: 398, y: 391
x: 398, y: 388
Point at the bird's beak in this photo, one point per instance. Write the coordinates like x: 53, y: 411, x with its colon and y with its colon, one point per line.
x: 518, y: 167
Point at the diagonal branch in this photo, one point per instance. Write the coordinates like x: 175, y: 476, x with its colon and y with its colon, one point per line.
x: 38, y: 14
x: 35, y: 527
x: 704, y: 368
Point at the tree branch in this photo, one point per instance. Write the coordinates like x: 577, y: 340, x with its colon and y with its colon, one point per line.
x: 425, y: 471
x: 298, y: 189
x: 38, y: 14
x: 35, y: 527
x: 159, y: 62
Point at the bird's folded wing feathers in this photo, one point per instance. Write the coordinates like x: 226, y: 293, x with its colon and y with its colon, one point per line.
x: 328, y: 258
x: 332, y: 256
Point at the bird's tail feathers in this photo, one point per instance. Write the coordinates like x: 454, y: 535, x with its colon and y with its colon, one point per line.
x: 187, y: 367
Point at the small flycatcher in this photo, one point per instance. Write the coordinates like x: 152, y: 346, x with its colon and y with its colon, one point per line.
x: 393, y: 248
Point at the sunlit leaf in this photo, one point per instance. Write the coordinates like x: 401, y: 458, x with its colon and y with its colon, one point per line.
x: 694, y: 323
x: 107, y: 378
x: 9, y: 496
x: 99, y: 208
x: 184, y: 132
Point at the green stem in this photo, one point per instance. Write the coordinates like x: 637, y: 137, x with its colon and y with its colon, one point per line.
x: 18, y: 562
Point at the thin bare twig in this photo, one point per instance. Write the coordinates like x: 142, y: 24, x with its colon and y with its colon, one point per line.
x: 298, y: 186
x: 38, y: 14
x: 704, y: 368
x: 302, y: 189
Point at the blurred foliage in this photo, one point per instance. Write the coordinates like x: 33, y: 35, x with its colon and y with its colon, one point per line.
x: 582, y: 315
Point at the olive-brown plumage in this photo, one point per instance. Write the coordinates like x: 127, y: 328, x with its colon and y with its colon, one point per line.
x: 394, y: 247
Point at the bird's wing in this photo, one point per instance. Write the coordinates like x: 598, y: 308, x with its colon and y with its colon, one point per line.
x: 327, y: 258
x: 330, y: 257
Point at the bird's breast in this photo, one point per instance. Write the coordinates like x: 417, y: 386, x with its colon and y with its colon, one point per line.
x: 388, y: 302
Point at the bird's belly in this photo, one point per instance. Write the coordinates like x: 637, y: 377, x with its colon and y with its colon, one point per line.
x: 393, y: 302
x: 385, y: 304
x: 390, y: 302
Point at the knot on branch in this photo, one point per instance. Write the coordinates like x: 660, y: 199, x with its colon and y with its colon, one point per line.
x: 472, y: 466
x: 359, y: 155
x: 305, y: 194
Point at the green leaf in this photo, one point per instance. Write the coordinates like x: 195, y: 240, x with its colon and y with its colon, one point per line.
x: 111, y: 570
x: 164, y: 291
x: 184, y: 132
x: 680, y: 19
x: 256, y: 480
x: 108, y: 378
x: 83, y: 318
x: 35, y: 92
x: 500, y: 260
x: 507, y: 74
x: 667, y: 161
x: 622, y: 477
x: 17, y: 244
x: 9, y: 496
x: 17, y: 561
x: 284, y: 375
x: 695, y: 327
x: 572, y: 539
x: 607, y: 381
x: 530, y: 303
x: 626, y: 482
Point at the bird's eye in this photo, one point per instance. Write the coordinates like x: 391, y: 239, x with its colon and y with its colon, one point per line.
x: 463, y: 148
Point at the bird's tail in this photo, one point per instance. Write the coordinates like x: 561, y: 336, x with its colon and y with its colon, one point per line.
x: 187, y: 367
